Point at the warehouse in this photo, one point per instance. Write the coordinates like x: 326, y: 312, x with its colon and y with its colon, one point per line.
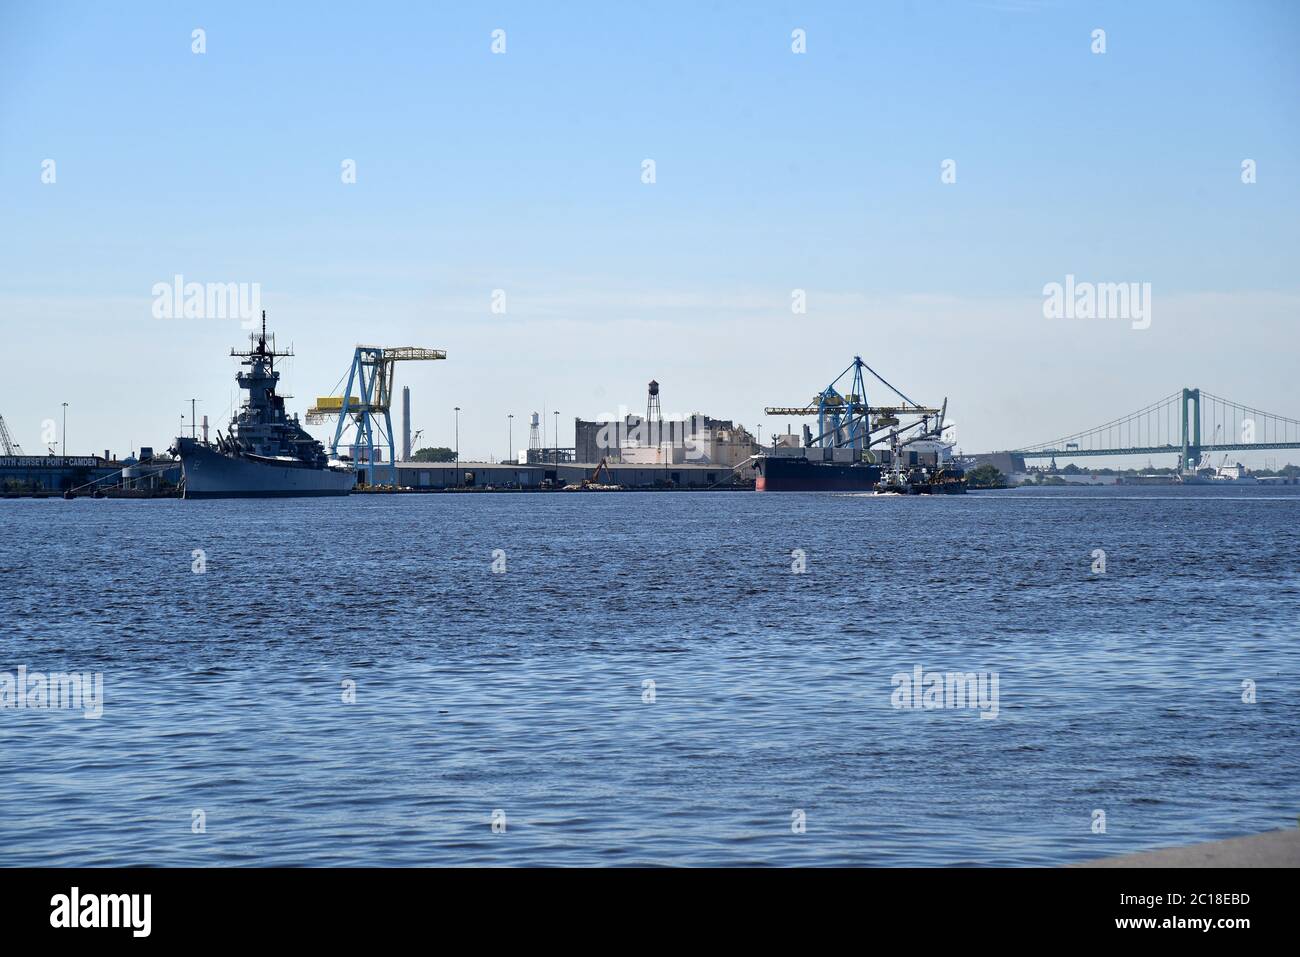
x: 442, y: 475
x: 51, y: 473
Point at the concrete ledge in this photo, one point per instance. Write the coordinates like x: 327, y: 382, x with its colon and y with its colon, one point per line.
x: 1270, y: 849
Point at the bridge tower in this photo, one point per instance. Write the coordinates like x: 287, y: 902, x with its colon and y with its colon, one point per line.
x: 1191, y: 429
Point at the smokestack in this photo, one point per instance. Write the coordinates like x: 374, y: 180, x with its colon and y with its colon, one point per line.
x: 205, y: 430
x: 406, y: 423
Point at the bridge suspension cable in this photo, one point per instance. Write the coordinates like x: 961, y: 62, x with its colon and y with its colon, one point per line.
x: 1159, y: 418
x: 1241, y: 424
x: 1190, y: 422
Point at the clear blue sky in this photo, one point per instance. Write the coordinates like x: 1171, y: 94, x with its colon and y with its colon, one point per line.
x: 775, y: 171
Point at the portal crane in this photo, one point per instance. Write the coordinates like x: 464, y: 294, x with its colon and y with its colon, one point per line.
x: 368, y: 414
x: 846, y: 420
x: 7, y: 441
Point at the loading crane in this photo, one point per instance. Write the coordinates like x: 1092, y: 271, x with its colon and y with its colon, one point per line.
x: 367, y: 414
x: 846, y: 420
x: 7, y: 442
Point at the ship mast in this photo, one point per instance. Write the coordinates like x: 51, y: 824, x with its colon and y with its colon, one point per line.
x: 259, y: 348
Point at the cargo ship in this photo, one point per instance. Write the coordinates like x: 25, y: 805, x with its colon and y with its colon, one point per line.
x: 267, y: 454
x: 1236, y: 474
x: 858, y: 444
x: 924, y: 467
x: 811, y: 471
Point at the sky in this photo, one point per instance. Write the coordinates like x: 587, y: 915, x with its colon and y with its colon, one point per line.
x: 774, y: 171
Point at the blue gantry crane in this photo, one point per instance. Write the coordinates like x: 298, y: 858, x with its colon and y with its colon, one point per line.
x: 364, y: 414
x: 845, y: 420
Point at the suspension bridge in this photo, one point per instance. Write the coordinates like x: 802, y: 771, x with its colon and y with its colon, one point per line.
x: 1187, y: 424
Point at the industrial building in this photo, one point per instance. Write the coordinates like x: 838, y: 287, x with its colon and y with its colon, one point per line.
x: 49, y: 474
x: 698, y: 439
x: 652, y: 440
x: 1008, y: 463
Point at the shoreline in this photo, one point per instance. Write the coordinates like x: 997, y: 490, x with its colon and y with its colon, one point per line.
x: 1270, y: 849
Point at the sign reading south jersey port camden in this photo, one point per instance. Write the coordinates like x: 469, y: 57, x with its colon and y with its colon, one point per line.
x: 48, y: 462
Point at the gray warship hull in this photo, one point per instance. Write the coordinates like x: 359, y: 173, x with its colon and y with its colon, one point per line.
x: 212, y: 474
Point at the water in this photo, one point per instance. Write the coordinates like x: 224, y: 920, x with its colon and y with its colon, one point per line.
x: 523, y: 692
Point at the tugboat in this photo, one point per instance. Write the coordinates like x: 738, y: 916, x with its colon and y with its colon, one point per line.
x: 267, y: 454
x: 934, y: 473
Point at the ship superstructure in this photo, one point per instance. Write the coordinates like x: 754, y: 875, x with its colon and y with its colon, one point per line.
x: 921, y: 466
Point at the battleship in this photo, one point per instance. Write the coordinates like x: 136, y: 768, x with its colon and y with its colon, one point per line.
x: 267, y: 454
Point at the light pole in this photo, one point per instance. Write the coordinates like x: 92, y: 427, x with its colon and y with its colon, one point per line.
x: 458, y: 445
x: 65, y: 431
x: 510, y: 436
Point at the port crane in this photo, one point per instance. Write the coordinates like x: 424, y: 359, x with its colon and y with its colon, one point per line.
x: 846, y: 420
x: 367, y: 414
x: 10, y: 446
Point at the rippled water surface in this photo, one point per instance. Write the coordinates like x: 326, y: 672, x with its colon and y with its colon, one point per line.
x: 523, y: 692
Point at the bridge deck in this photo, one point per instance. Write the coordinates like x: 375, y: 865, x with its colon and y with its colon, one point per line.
x: 1155, y: 450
